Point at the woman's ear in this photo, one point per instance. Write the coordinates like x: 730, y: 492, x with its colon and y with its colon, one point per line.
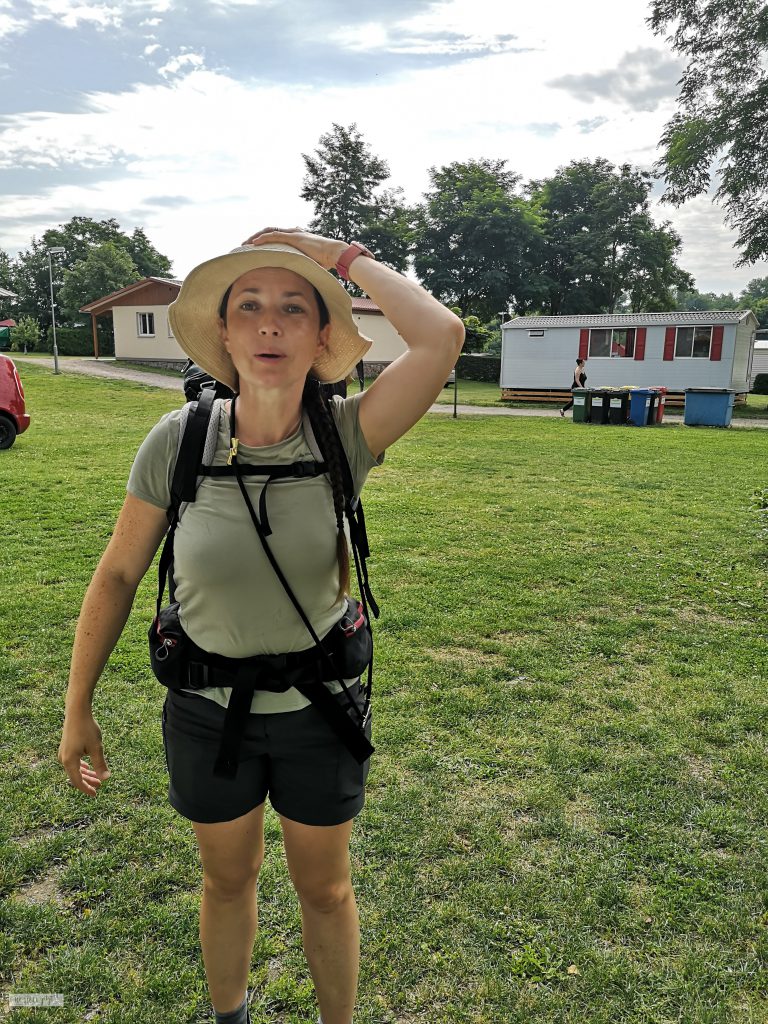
x: 223, y: 334
x: 322, y: 338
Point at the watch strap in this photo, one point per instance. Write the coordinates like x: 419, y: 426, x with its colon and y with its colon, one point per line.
x: 353, y: 250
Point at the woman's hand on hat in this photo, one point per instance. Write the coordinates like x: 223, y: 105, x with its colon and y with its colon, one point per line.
x: 324, y: 251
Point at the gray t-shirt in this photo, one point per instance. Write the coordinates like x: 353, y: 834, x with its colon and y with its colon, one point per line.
x: 230, y: 600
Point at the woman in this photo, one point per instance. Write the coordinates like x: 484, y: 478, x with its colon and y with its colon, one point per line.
x: 265, y: 320
x: 579, y: 380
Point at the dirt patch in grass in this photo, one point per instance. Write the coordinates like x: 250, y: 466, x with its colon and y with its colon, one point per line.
x: 700, y: 770
x: 44, y: 889
x: 580, y: 813
x: 466, y: 657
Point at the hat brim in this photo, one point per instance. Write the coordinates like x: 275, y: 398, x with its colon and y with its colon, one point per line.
x: 194, y: 315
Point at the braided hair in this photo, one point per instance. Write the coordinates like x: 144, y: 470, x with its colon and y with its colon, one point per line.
x: 320, y: 418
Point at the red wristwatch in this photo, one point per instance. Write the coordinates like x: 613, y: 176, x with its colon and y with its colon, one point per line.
x: 353, y: 250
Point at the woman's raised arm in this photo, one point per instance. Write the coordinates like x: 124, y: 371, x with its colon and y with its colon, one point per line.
x: 434, y: 335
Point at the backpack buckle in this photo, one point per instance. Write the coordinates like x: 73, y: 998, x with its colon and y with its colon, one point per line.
x: 198, y: 675
x: 351, y: 622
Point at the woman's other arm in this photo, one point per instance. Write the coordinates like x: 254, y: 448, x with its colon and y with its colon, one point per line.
x: 139, y: 529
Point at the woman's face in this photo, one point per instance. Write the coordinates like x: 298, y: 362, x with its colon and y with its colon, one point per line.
x: 273, y: 332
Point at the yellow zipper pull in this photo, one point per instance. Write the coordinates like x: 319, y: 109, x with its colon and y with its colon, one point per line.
x: 233, y: 443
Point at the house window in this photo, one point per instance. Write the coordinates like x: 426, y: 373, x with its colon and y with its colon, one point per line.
x: 145, y: 325
x: 535, y: 334
x: 612, y: 342
x: 693, y: 342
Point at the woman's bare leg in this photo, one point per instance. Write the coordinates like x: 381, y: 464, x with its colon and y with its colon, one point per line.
x: 232, y: 853
x: 318, y: 862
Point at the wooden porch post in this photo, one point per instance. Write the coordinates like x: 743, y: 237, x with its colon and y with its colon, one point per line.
x: 95, y: 336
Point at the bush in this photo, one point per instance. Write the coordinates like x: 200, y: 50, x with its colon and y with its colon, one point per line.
x: 486, y: 368
x: 78, y: 341
x: 26, y: 334
x: 760, y: 387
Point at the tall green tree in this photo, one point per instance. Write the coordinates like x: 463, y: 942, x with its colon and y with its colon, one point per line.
x: 756, y: 290
x: 32, y: 281
x: 690, y: 300
x: 602, y: 249
x: 149, y: 262
x: 79, y: 237
x: 476, y: 242
x: 721, y: 111
x: 105, y: 269
x: 6, y: 271
x: 341, y: 180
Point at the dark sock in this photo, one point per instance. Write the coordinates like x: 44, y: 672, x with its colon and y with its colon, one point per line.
x: 238, y: 1016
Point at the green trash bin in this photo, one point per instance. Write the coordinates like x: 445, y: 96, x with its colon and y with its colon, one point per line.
x: 581, y: 405
x: 619, y: 407
x: 601, y: 406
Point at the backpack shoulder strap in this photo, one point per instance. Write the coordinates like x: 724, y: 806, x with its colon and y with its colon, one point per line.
x: 197, y: 436
x: 354, y: 509
x: 197, y: 444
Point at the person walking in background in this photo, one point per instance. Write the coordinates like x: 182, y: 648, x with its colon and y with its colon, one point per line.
x: 579, y: 380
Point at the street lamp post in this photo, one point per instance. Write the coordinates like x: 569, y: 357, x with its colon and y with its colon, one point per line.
x: 55, y: 251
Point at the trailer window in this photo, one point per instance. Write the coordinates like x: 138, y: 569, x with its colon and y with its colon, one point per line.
x: 612, y: 342
x: 599, y: 344
x: 693, y: 342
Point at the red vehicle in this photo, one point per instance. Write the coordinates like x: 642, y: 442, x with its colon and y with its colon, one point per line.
x: 13, y: 416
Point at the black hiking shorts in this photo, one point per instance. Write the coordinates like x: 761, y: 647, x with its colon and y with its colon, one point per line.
x: 293, y: 757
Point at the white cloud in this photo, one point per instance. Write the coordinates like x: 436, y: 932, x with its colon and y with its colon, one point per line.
x: 152, y: 48
x: 233, y: 148
x: 180, y: 62
x: 708, y: 252
x: 10, y: 25
x: 71, y: 15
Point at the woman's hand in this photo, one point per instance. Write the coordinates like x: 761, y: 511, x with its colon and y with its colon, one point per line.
x: 82, y: 735
x: 324, y: 251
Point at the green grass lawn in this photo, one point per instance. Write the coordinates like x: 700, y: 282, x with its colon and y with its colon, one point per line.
x: 566, y: 815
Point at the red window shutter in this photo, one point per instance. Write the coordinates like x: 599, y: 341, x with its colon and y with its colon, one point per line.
x: 716, y: 352
x: 584, y: 343
x: 640, y: 343
x: 669, y: 343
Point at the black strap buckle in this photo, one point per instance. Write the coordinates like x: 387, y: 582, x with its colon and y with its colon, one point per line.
x: 198, y: 675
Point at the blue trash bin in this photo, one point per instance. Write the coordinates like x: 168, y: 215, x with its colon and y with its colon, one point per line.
x: 708, y: 407
x: 639, y: 406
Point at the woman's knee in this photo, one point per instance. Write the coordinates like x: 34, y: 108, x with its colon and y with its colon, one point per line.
x: 325, y: 897
x: 231, y: 881
x: 232, y: 854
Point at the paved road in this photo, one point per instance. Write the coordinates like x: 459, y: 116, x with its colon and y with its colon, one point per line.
x: 105, y: 367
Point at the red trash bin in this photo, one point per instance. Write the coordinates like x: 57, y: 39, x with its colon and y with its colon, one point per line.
x: 660, y: 403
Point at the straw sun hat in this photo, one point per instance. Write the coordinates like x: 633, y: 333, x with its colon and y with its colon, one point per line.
x: 194, y: 315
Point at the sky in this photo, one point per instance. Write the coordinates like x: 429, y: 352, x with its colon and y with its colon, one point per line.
x: 189, y: 117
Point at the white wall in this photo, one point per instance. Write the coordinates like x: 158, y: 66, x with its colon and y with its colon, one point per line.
x: 759, y: 360
x: 743, y: 354
x: 129, y: 344
x: 549, y: 362
x: 387, y: 343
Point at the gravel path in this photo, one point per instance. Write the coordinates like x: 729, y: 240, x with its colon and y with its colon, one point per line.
x: 105, y: 367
